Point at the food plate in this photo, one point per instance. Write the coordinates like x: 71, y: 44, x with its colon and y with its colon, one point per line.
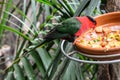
x: 104, y: 39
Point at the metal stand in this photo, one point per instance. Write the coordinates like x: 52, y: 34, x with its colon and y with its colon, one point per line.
x: 68, y: 55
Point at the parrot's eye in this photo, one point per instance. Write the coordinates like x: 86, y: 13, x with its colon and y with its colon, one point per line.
x: 93, y: 20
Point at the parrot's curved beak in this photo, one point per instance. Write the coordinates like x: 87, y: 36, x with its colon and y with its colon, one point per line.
x: 92, y: 19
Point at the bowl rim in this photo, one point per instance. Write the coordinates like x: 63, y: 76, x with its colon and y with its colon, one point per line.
x: 106, y: 14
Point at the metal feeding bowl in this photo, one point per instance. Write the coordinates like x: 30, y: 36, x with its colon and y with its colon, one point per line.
x: 102, y: 43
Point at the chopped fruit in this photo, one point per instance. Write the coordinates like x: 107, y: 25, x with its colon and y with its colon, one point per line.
x: 101, y: 37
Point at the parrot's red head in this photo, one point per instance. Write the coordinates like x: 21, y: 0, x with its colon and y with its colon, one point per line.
x: 87, y: 23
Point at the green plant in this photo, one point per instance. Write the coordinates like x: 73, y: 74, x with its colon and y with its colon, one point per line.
x: 46, y: 62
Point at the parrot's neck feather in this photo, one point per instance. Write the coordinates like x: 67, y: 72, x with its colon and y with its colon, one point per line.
x: 86, y: 24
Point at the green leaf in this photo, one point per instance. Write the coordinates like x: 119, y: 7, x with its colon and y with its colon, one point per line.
x: 7, y: 8
x: 2, y: 3
x: 15, y: 31
x: 45, y: 2
x: 78, y: 71
x: 81, y: 7
x: 93, y: 4
x: 28, y: 69
x: 69, y: 7
x: 10, y: 76
x: 55, y: 63
x: 34, y: 15
x: 63, y: 65
x: 20, y: 22
x: 18, y: 72
x: 64, y: 4
x: 39, y: 62
x: 70, y: 71
x: 34, y: 11
x: 22, y: 13
x: 45, y: 57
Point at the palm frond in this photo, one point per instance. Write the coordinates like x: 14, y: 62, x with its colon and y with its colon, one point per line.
x: 4, y: 15
x: 30, y: 61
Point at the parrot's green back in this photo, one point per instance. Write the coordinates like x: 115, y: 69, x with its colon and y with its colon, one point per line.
x: 70, y: 26
x: 66, y: 30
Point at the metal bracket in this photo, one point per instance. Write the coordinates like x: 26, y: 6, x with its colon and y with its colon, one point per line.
x: 68, y: 55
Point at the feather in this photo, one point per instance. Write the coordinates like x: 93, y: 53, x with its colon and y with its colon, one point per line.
x: 87, y: 23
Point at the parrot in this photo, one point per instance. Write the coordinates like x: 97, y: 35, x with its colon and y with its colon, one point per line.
x: 69, y: 29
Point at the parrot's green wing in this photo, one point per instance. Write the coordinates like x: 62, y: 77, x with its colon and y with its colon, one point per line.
x: 70, y: 26
x: 53, y: 34
x: 66, y: 30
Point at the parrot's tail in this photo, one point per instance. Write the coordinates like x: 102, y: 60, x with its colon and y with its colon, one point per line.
x: 39, y: 45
